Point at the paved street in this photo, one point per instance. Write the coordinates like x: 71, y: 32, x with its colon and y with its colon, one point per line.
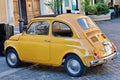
x: 108, y: 71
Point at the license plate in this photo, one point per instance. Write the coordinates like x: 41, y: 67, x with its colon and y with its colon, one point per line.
x: 108, y: 49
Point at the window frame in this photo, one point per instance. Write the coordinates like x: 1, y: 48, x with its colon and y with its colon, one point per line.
x: 67, y: 3
x: 35, y: 22
x: 76, y: 6
x: 64, y: 24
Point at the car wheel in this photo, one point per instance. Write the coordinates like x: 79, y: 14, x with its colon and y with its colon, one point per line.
x: 12, y: 58
x: 74, y: 66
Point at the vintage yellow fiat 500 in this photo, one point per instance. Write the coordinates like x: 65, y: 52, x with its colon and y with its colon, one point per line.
x: 72, y: 40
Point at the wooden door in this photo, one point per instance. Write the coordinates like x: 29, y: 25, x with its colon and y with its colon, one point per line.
x: 33, y: 8
x: 36, y: 8
x: 16, y: 12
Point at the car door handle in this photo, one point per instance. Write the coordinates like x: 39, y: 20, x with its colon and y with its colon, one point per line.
x: 47, y: 40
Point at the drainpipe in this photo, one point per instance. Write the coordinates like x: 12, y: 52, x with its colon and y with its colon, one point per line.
x: 57, y: 7
x: 61, y: 7
x: 21, y: 20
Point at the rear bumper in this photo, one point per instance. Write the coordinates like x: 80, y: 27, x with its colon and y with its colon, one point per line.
x: 104, y: 60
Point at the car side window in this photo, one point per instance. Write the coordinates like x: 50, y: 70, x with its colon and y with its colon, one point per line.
x: 38, y: 28
x: 61, y: 30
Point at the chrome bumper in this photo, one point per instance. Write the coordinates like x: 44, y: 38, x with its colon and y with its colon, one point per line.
x: 104, y: 60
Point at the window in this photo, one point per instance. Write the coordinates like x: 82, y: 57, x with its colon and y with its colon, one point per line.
x: 86, y: 23
x: 74, y: 4
x: 61, y: 30
x: 38, y: 28
x: 66, y: 3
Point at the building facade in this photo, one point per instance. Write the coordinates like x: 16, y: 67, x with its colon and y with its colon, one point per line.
x: 68, y: 6
x: 10, y: 10
x: 30, y: 9
x: 2, y: 11
x: 71, y: 6
x: 33, y: 8
x: 114, y: 2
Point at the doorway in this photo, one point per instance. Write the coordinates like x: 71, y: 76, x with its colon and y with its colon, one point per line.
x: 16, y: 12
x: 74, y: 5
x: 71, y: 6
x: 24, y: 12
x: 30, y: 9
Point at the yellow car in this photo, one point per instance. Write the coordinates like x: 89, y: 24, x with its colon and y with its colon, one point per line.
x: 72, y: 40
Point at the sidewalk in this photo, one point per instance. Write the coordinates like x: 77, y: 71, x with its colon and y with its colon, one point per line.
x: 16, y: 30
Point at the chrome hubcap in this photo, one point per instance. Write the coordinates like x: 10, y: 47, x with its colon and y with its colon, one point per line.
x: 12, y: 58
x: 73, y: 66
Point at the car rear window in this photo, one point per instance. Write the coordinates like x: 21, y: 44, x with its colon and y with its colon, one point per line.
x: 86, y: 23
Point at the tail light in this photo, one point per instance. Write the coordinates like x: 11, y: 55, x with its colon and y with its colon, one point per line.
x: 96, y: 55
x: 114, y: 47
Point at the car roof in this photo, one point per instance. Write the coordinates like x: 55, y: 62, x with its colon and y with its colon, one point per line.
x: 65, y: 17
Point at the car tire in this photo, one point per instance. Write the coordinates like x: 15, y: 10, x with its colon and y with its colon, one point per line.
x: 12, y: 58
x: 74, y: 66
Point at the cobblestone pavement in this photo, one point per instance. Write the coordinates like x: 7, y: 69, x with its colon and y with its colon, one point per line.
x: 3, y: 65
x: 108, y: 71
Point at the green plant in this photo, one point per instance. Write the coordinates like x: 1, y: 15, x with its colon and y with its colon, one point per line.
x: 102, y: 8
x: 86, y: 5
x: 92, y: 9
x: 54, y: 5
x: 99, y: 1
x: 97, y: 9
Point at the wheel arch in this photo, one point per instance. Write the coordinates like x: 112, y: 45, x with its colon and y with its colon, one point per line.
x: 72, y: 53
x: 14, y: 48
x: 8, y: 48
